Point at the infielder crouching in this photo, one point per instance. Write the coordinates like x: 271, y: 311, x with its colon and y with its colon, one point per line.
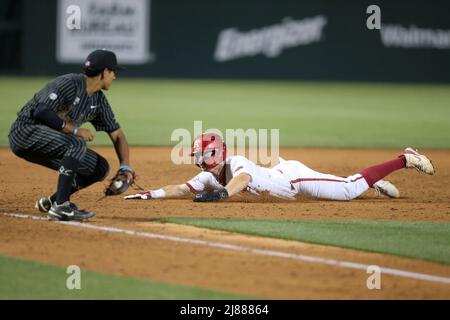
x: 223, y: 177
x: 47, y: 132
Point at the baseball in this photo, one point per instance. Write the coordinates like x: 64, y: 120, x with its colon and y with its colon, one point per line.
x: 118, y: 184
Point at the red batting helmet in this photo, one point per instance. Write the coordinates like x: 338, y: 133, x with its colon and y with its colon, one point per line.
x: 209, y: 150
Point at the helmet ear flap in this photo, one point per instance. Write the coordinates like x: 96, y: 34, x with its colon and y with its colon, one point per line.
x: 210, y: 143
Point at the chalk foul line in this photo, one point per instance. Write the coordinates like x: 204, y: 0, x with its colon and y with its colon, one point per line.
x: 225, y: 246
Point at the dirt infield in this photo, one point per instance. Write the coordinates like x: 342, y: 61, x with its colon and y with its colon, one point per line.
x: 424, y: 198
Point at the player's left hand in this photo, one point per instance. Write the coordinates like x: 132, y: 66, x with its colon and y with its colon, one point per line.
x: 215, y: 195
x: 130, y: 176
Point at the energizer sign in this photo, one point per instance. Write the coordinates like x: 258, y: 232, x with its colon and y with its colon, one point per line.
x: 269, y: 41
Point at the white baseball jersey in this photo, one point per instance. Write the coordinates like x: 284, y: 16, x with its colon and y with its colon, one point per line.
x: 285, y: 180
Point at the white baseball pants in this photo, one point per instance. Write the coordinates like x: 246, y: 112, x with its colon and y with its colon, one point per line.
x: 306, y: 181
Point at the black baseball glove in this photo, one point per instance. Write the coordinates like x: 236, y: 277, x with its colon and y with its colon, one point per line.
x: 215, y: 195
x: 120, y: 183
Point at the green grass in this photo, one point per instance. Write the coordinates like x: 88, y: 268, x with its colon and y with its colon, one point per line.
x: 421, y: 240
x: 310, y: 114
x: 22, y: 279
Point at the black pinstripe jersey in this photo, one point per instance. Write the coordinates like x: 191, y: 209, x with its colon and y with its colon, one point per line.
x: 67, y: 96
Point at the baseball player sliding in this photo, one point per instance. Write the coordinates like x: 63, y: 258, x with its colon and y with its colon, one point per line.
x: 223, y: 177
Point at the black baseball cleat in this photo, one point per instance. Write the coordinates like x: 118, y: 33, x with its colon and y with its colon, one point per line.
x: 67, y: 211
x: 44, y: 204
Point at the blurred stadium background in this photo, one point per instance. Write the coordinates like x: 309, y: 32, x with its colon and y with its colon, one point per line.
x: 313, y: 69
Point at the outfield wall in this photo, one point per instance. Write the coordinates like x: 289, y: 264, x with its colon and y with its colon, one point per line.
x: 252, y: 39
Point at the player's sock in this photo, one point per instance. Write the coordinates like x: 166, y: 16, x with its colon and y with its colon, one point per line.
x: 378, y: 172
x: 67, y: 171
x: 72, y: 191
x: 82, y: 181
x: 78, y: 183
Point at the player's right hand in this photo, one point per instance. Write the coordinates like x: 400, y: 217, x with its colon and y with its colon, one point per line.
x: 85, y: 134
x: 142, y: 195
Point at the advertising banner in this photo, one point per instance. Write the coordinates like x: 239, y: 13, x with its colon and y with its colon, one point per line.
x: 86, y: 25
x: 354, y: 40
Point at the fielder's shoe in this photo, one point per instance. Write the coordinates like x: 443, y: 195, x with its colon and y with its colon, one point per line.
x: 44, y: 204
x: 386, y: 188
x: 418, y: 161
x: 66, y: 212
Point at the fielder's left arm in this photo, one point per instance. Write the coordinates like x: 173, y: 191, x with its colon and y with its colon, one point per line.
x: 123, y: 151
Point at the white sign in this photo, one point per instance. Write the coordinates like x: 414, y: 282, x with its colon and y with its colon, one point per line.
x: 398, y: 36
x: 87, y: 25
x: 269, y: 41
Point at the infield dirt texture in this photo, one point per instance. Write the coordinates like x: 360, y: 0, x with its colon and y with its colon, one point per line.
x: 241, y: 248
x: 218, y: 269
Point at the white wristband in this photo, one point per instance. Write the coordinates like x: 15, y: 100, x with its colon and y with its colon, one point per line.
x: 160, y: 193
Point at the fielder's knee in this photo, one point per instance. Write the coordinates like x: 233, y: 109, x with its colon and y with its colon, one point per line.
x: 77, y: 148
x: 99, y: 172
x: 101, y: 168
